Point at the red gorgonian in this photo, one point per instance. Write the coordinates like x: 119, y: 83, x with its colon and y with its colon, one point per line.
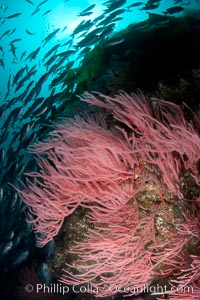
x: 128, y: 168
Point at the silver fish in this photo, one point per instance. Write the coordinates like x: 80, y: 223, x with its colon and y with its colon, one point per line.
x: 13, y: 16
x: 50, y: 36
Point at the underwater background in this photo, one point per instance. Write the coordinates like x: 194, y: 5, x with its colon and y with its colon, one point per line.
x: 52, y: 51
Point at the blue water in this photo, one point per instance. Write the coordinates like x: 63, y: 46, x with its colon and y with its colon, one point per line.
x: 63, y: 13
